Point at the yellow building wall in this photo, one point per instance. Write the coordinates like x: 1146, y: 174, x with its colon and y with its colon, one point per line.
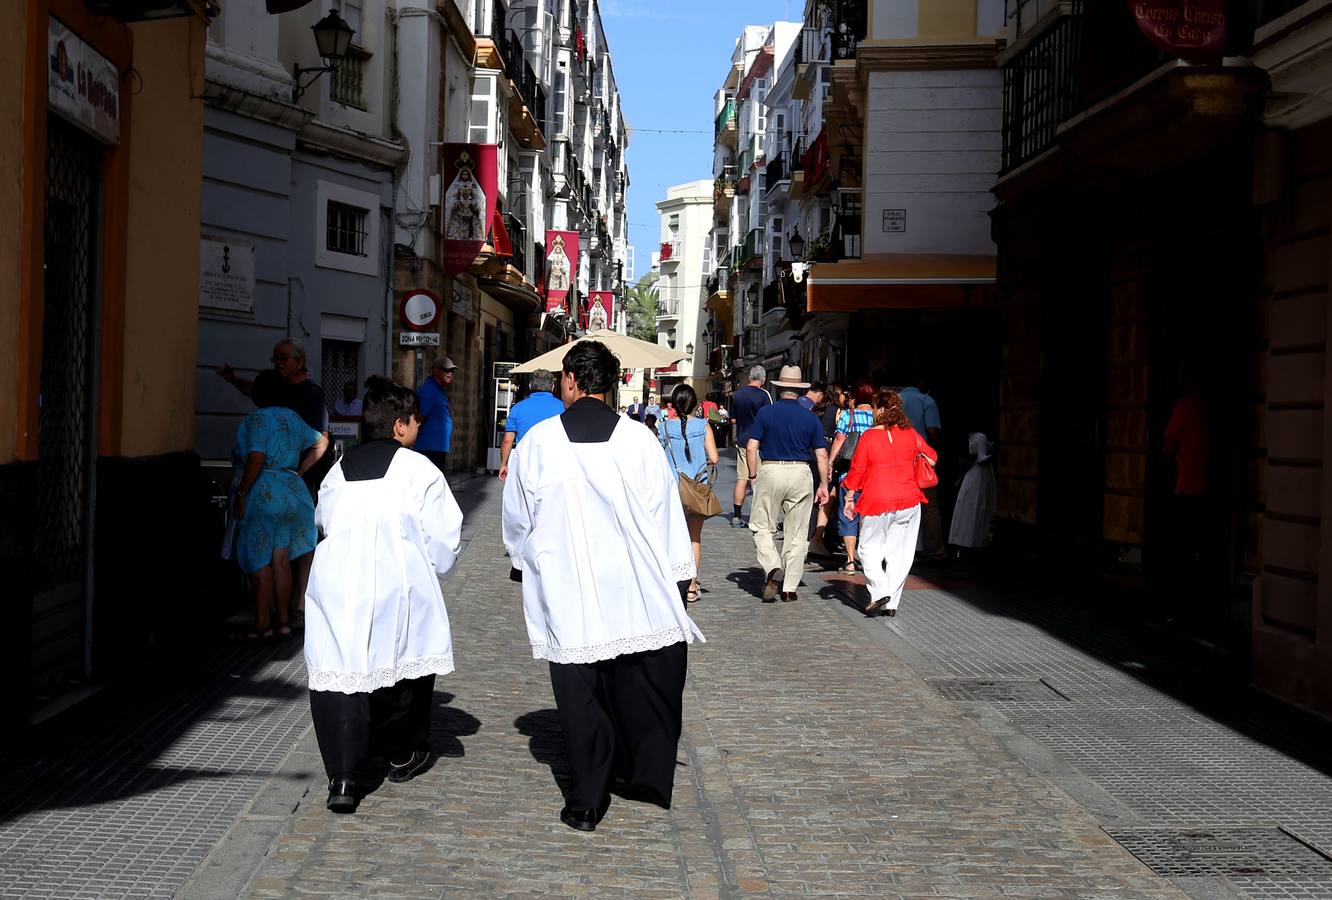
x: 13, y: 27
x: 162, y: 256
x: 929, y: 23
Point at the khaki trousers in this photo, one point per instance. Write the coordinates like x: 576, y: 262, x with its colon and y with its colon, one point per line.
x: 787, y: 489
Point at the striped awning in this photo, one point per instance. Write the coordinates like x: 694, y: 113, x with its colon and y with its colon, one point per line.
x: 901, y: 281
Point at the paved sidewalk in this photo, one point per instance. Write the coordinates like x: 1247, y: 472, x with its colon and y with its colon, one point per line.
x: 814, y: 762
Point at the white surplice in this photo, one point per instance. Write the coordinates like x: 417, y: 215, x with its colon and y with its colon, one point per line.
x: 976, y: 498
x: 374, y: 611
x: 600, y: 536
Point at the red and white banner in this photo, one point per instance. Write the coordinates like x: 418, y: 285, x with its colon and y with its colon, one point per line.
x: 600, y: 312
x: 561, y: 268
x: 1194, y: 30
x: 469, y: 173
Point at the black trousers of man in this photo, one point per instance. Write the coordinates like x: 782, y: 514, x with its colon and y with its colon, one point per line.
x: 393, y: 721
x: 621, y: 717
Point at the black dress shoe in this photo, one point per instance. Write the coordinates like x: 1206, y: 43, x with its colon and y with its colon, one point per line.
x: 890, y: 612
x: 342, y: 795
x: 773, y: 586
x: 415, y: 765
x: 874, y: 608
x: 789, y: 597
x: 580, y: 819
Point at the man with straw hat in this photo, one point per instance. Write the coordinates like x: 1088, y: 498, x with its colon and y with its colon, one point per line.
x: 788, y: 435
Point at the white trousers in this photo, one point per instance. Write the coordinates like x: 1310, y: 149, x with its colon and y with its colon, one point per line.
x: 786, y: 490
x: 887, y: 548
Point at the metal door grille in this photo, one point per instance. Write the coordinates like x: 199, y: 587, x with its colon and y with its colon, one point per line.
x: 66, y: 413
x: 338, y: 366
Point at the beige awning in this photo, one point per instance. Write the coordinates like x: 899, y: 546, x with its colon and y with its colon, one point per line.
x: 901, y: 281
x: 632, y: 353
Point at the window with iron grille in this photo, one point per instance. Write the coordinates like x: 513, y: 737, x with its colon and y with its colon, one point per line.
x: 339, y: 365
x: 348, y: 80
x: 346, y: 229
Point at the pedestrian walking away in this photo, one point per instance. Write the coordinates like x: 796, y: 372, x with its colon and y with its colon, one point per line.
x: 851, y: 423
x: 377, y: 631
x: 784, y: 436
x: 273, y: 448
x: 976, y: 498
x: 691, y: 450
x: 923, y: 413
x: 745, y: 406
x: 882, y: 489
x: 436, y: 434
x: 538, y: 406
x: 592, y: 519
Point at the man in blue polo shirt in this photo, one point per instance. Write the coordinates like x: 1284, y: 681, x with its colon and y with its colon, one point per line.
x: 788, y: 435
x: 923, y: 412
x: 541, y: 404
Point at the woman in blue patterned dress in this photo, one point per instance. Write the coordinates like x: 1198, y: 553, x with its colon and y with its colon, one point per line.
x: 272, y: 503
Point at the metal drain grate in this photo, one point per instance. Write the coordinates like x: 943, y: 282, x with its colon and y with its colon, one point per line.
x: 996, y: 690
x: 1222, y: 852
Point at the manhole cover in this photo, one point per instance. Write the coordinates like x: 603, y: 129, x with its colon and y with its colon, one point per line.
x: 1222, y: 852
x: 996, y: 690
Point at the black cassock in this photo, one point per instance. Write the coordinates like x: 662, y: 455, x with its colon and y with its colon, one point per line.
x: 621, y: 717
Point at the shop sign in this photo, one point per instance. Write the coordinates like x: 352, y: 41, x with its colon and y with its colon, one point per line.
x: 1189, y: 29
x: 469, y: 170
x: 82, y: 84
x: 418, y: 310
x: 418, y: 339
x: 561, y: 268
x: 226, y: 275
x: 463, y: 304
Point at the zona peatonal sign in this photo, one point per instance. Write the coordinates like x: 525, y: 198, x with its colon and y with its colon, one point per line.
x: 1194, y: 30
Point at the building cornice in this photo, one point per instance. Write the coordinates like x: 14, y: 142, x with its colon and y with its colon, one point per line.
x: 458, y: 29
x: 1296, y: 52
x: 252, y: 87
x: 320, y: 135
x: 917, y: 57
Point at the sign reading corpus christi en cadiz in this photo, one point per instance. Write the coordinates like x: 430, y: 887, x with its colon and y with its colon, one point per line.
x: 1194, y: 30
x: 82, y: 84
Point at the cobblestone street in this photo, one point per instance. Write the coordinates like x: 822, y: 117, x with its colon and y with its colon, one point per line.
x: 982, y: 743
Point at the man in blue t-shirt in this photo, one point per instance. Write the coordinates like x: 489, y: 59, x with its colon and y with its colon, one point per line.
x: 745, y: 406
x: 541, y: 404
x: 432, y: 398
x: 787, y: 435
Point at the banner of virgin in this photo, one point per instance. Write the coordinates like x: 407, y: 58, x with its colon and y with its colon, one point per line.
x: 469, y: 170
x: 561, y: 268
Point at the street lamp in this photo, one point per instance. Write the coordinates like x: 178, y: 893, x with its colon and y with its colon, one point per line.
x: 689, y: 350
x: 797, y: 244
x: 332, y: 38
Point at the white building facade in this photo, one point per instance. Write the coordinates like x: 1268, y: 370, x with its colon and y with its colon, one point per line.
x: 684, y: 262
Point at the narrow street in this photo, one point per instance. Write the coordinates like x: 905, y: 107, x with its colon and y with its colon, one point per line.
x: 982, y: 743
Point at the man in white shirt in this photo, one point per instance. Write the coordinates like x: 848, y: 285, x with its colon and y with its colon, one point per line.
x: 589, y: 505
x: 350, y: 404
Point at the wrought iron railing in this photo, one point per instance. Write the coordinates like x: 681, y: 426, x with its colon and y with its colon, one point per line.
x: 1040, y: 91
x: 777, y: 171
x: 347, y: 81
x: 518, y: 237
x: 668, y: 305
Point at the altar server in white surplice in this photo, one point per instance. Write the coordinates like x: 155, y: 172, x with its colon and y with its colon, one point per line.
x: 376, y: 630
x: 593, y: 520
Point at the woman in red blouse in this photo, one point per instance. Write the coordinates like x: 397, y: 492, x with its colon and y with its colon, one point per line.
x: 883, y: 471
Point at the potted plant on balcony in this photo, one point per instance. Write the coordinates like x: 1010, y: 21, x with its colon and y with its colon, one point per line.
x: 819, y: 248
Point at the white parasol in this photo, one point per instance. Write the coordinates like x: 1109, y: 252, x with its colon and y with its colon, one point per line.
x: 632, y: 353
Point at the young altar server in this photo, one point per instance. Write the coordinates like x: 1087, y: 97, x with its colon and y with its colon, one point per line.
x: 592, y: 517
x: 376, y: 630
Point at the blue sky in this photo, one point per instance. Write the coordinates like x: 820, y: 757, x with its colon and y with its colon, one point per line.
x: 669, y: 59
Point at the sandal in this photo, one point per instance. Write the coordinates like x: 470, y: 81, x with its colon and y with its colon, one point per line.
x: 284, y: 631
x: 691, y: 597
x: 848, y: 569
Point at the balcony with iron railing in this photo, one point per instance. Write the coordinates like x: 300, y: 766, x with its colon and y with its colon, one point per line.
x: 347, y: 80
x: 778, y: 171
x: 726, y: 129
x: 518, y: 238
x: 748, y: 252
x: 668, y: 306
x: 670, y: 252
x: 1091, y: 53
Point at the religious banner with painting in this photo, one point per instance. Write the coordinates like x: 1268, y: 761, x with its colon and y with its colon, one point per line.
x: 600, y: 311
x: 561, y: 268
x: 1194, y: 30
x: 469, y: 172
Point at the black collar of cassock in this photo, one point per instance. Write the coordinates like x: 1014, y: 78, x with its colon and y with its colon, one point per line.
x: 589, y: 421
x: 370, y: 460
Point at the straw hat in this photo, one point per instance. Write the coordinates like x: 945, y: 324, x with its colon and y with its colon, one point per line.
x: 790, y: 378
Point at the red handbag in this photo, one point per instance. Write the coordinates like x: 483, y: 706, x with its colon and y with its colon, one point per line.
x: 926, y: 477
